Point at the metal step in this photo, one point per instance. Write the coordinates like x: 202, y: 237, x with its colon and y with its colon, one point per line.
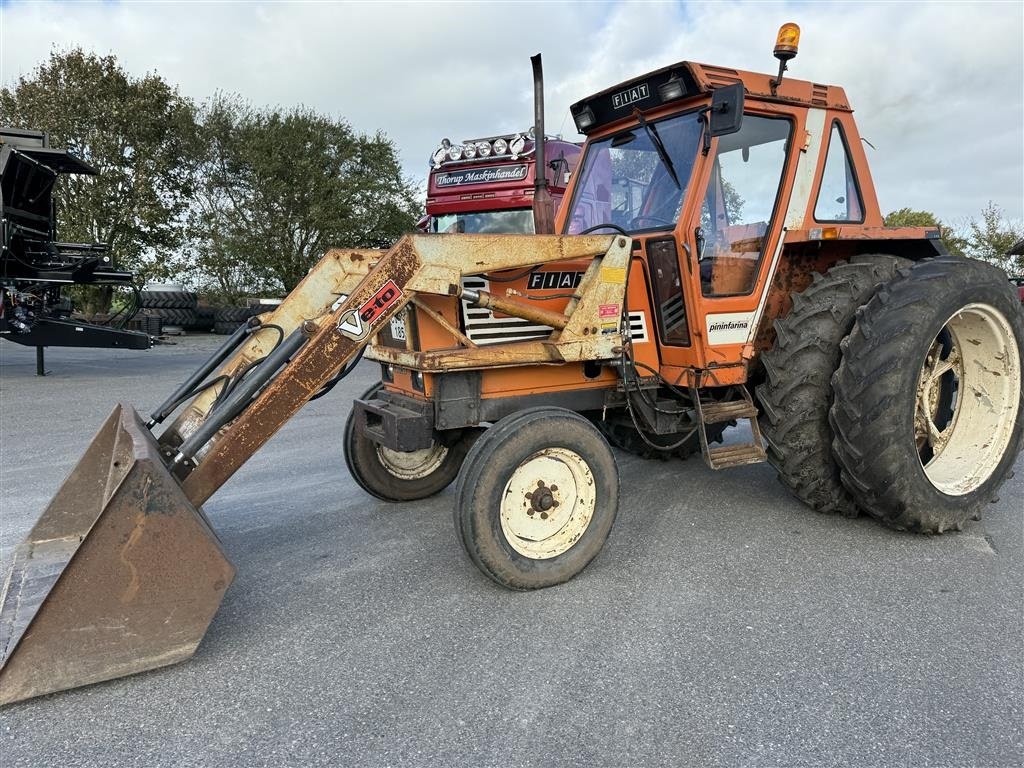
x: 724, y: 456
x: 716, y: 413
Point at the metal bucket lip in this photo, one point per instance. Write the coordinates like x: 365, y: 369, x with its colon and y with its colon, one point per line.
x: 59, y: 584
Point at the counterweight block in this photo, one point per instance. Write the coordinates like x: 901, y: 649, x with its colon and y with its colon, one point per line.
x: 121, y: 574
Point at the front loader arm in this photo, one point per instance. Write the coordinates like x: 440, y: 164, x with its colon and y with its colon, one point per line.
x: 315, y: 350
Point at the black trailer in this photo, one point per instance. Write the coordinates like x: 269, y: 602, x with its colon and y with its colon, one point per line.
x: 35, y: 266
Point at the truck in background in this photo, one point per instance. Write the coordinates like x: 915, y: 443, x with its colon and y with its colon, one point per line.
x: 486, y: 186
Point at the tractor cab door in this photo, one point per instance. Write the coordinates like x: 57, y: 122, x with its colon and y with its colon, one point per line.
x: 735, y: 224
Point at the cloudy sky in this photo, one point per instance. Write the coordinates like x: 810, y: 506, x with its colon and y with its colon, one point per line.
x: 938, y: 87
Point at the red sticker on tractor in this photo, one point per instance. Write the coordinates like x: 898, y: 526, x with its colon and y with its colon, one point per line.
x: 382, y: 299
x: 356, y: 323
x: 608, y: 310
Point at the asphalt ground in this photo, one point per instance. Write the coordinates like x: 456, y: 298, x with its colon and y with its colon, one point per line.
x: 723, y: 624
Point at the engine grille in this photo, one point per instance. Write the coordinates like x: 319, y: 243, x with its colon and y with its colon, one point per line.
x: 483, y: 328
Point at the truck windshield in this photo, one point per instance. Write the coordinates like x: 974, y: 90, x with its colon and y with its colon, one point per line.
x: 624, y: 181
x: 515, y: 222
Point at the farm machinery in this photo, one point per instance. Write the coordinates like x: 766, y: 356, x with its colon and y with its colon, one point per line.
x: 36, y: 266
x: 721, y: 258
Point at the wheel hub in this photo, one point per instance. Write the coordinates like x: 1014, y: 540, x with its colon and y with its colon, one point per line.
x: 548, y: 503
x: 542, y: 500
x: 412, y: 465
x: 968, y: 394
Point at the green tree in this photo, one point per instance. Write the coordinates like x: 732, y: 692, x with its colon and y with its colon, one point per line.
x: 988, y: 238
x: 992, y: 236
x: 279, y: 187
x: 139, y: 132
x: 908, y: 217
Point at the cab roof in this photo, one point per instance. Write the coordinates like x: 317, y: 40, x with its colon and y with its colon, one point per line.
x: 619, y: 101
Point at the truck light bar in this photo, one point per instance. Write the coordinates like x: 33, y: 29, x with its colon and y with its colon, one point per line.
x: 511, y: 146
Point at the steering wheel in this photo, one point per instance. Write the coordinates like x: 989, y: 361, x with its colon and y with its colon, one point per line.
x: 658, y: 221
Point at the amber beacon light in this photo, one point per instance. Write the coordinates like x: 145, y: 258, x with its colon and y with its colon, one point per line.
x: 786, y: 44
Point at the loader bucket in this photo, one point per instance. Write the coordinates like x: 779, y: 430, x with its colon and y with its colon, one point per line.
x: 121, y: 573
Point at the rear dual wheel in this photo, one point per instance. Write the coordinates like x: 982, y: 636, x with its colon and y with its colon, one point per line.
x: 536, y: 498
x: 796, y: 394
x: 929, y: 410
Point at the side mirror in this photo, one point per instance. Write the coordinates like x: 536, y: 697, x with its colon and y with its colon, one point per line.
x: 726, y: 110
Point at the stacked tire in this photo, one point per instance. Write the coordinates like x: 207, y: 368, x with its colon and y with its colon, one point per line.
x: 170, y: 302
x: 203, y: 320
x: 227, y: 319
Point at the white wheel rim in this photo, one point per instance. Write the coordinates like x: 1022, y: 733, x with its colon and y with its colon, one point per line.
x: 548, y: 503
x: 412, y: 465
x: 961, y: 445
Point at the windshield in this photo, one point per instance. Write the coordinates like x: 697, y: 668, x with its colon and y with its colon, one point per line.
x: 514, y: 222
x: 625, y: 182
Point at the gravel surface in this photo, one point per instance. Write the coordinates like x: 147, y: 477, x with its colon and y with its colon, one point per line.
x: 723, y: 624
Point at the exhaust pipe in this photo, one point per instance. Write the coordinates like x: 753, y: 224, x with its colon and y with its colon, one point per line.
x: 543, y: 205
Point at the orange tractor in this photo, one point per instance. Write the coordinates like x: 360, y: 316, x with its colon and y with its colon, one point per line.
x: 721, y: 258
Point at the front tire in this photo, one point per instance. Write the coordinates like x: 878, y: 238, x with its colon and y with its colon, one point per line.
x: 537, y: 498
x: 403, y: 476
x: 929, y: 409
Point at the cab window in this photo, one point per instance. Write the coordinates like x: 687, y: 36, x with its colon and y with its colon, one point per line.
x: 628, y: 181
x: 838, y: 196
x: 745, y: 179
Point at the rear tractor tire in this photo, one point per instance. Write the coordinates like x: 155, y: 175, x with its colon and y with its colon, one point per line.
x: 404, y: 476
x: 796, y: 395
x: 537, y: 498
x: 929, y: 411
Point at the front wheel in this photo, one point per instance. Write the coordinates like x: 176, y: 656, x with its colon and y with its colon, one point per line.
x: 537, y: 498
x: 929, y: 410
x: 404, y: 475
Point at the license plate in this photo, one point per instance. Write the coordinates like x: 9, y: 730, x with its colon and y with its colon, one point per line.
x: 398, y: 327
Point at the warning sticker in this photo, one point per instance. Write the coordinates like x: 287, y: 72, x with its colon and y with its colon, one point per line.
x: 615, y: 275
x: 608, y: 310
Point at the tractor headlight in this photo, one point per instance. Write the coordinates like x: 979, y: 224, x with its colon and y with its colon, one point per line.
x: 455, y: 152
x: 500, y: 146
x: 584, y: 119
x: 483, y: 148
x: 469, y: 151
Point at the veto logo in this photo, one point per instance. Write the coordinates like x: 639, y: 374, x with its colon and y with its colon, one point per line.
x: 356, y: 323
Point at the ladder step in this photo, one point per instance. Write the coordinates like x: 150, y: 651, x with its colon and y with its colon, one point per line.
x: 725, y: 456
x: 716, y: 413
